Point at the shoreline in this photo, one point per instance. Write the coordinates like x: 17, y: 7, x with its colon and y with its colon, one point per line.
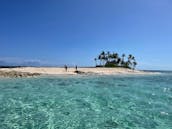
x: 37, y: 71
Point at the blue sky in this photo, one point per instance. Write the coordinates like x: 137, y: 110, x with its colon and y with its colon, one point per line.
x: 76, y: 31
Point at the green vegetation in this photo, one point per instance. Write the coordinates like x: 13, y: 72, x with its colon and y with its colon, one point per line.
x: 107, y: 59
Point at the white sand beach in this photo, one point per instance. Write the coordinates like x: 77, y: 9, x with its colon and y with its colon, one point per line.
x: 71, y: 71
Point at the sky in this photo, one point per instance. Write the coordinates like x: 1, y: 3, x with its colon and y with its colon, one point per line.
x: 59, y: 32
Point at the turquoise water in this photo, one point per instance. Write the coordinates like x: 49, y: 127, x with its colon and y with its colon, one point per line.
x: 96, y: 102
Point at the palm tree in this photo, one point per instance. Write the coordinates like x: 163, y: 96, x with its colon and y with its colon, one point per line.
x: 130, y: 56
x: 133, y: 58
x: 95, y: 59
x: 129, y: 62
x: 123, y: 62
x: 115, y: 57
x: 103, y: 53
x: 108, y: 56
x: 103, y: 57
x: 134, y: 64
x: 123, y: 56
x: 100, y: 59
x: 118, y: 61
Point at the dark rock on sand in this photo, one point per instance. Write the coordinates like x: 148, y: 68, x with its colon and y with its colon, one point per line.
x: 15, y: 74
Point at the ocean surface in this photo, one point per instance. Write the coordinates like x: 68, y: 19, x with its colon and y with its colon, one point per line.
x: 87, y: 102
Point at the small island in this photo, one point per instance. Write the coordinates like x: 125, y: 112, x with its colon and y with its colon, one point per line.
x: 106, y: 64
x: 108, y: 59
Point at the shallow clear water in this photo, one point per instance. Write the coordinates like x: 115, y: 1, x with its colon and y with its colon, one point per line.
x: 97, y: 102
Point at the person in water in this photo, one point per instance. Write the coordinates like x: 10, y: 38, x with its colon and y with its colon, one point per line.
x: 65, y: 67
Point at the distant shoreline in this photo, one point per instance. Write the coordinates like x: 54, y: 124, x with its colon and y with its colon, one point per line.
x: 37, y: 71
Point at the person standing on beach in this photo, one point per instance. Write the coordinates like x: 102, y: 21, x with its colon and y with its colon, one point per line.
x: 65, y: 67
x: 76, y: 68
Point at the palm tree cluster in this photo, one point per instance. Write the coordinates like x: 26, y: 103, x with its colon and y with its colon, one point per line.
x: 108, y: 59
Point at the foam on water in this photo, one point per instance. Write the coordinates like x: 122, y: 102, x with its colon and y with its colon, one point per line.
x: 97, y: 102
